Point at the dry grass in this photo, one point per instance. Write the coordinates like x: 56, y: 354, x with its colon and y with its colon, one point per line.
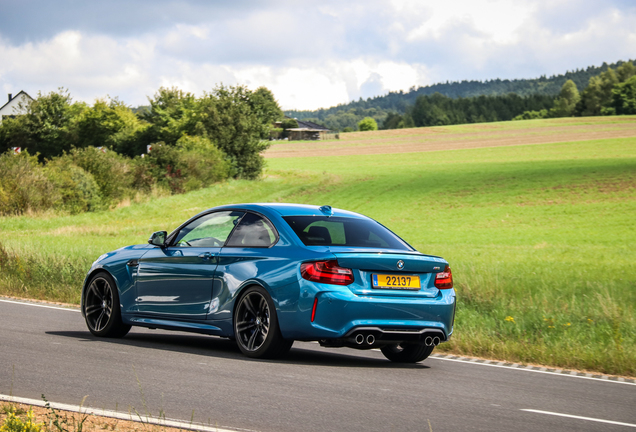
x: 93, y: 423
x: 460, y: 137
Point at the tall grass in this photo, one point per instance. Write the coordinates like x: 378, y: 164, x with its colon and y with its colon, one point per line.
x: 540, y: 239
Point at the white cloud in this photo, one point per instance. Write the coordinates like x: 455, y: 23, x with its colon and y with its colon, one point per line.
x: 311, y: 57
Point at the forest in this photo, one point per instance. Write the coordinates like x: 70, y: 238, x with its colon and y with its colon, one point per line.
x: 493, y: 100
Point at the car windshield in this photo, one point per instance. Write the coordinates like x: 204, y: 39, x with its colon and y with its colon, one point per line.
x: 344, y: 231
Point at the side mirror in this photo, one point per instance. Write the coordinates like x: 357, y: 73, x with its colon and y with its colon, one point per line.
x: 158, y: 238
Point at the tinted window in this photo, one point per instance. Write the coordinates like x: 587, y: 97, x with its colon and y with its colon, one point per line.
x: 210, y: 230
x: 340, y: 231
x: 253, y: 231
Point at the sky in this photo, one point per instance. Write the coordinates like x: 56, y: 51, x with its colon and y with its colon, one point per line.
x: 309, y: 54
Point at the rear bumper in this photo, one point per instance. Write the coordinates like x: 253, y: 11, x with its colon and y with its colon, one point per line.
x: 340, y: 313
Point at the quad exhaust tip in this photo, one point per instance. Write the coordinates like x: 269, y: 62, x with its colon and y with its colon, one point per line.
x: 432, y: 341
x: 370, y: 339
x: 359, y: 339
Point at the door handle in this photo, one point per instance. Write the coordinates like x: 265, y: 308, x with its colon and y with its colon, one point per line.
x: 206, y: 255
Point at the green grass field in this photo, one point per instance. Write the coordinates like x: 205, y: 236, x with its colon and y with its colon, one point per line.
x: 540, y: 238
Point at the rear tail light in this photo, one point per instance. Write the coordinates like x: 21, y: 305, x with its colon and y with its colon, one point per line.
x: 444, y: 280
x: 326, y: 272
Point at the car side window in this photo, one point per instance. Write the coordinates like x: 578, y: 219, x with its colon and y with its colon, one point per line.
x: 210, y: 230
x: 253, y: 231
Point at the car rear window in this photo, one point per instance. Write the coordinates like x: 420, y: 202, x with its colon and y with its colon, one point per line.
x: 343, y: 231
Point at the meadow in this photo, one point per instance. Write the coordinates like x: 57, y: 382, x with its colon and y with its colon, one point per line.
x: 540, y: 237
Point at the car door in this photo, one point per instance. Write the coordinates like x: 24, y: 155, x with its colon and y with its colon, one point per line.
x: 176, y: 282
x: 247, y: 255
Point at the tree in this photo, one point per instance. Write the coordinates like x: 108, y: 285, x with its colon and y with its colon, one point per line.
x: 625, y: 71
x: 597, y: 94
x: 565, y: 103
x: 110, y: 124
x: 624, y: 97
x: 231, y: 122
x: 368, y: 124
x: 47, y: 128
x: 172, y: 114
x: 266, y: 108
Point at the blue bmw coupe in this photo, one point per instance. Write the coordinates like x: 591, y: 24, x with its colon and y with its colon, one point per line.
x: 266, y: 275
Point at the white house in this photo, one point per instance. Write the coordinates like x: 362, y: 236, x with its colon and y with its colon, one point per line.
x: 12, y: 107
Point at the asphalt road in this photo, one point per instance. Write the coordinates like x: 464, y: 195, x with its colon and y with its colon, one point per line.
x: 206, y: 379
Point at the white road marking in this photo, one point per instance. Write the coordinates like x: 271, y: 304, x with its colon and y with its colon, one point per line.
x: 581, y: 418
x: 499, y: 365
x: 119, y: 415
x: 39, y: 305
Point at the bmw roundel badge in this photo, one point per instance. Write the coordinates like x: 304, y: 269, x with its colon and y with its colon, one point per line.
x: 400, y: 265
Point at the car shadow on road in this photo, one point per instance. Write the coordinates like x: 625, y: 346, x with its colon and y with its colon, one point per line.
x: 302, y: 353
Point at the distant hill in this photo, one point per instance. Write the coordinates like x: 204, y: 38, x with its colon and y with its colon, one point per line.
x: 399, y: 101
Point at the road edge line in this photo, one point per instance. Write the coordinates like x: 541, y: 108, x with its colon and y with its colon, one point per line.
x: 580, y: 417
x: 27, y: 303
x: 565, y: 373
x: 117, y: 415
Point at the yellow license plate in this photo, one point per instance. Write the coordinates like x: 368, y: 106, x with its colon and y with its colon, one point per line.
x: 395, y: 281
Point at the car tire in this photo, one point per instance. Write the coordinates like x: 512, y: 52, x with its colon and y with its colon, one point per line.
x: 407, y: 353
x: 256, y: 326
x: 101, y: 307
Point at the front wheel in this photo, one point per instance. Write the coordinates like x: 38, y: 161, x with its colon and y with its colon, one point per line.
x: 101, y: 308
x: 407, y: 353
x: 256, y: 326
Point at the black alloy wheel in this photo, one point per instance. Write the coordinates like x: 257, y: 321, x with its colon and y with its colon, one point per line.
x: 101, y: 307
x: 407, y: 353
x: 256, y: 326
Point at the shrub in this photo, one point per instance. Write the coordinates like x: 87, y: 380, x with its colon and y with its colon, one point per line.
x: 275, y: 133
x: 531, y: 115
x: 23, y: 184
x: 368, y: 124
x: 77, y: 190
x: 200, y: 162
x: 193, y: 163
x: 113, y: 173
x: 13, y: 423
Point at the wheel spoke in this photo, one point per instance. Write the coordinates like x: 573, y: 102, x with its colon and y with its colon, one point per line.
x: 98, y: 322
x: 90, y: 310
x: 249, y: 306
x: 250, y: 343
x: 93, y: 289
x: 262, y: 306
x: 245, y: 325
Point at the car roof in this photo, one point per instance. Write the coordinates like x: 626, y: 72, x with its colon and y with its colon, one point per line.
x: 285, y: 209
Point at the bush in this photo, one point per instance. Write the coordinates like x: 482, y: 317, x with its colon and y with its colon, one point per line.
x: 368, y: 124
x: 276, y: 133
x: 193, y: 163
x: 76, y: 189
x: 23, y: 185
x: 531, y: 115
x: 200, y: 162
x: 13, y: 423
x: 113, y: 173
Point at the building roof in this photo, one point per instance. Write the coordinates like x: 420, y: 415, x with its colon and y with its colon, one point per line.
x: 304, y: 125
x: 311, y: 125
x: 13, y: 97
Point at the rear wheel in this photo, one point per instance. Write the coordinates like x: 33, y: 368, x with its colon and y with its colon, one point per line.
x: 101, y: 308
x: 407, y: 353
x: 256, y: 326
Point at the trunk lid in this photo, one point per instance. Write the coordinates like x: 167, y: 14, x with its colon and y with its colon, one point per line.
x: 369, y: 263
